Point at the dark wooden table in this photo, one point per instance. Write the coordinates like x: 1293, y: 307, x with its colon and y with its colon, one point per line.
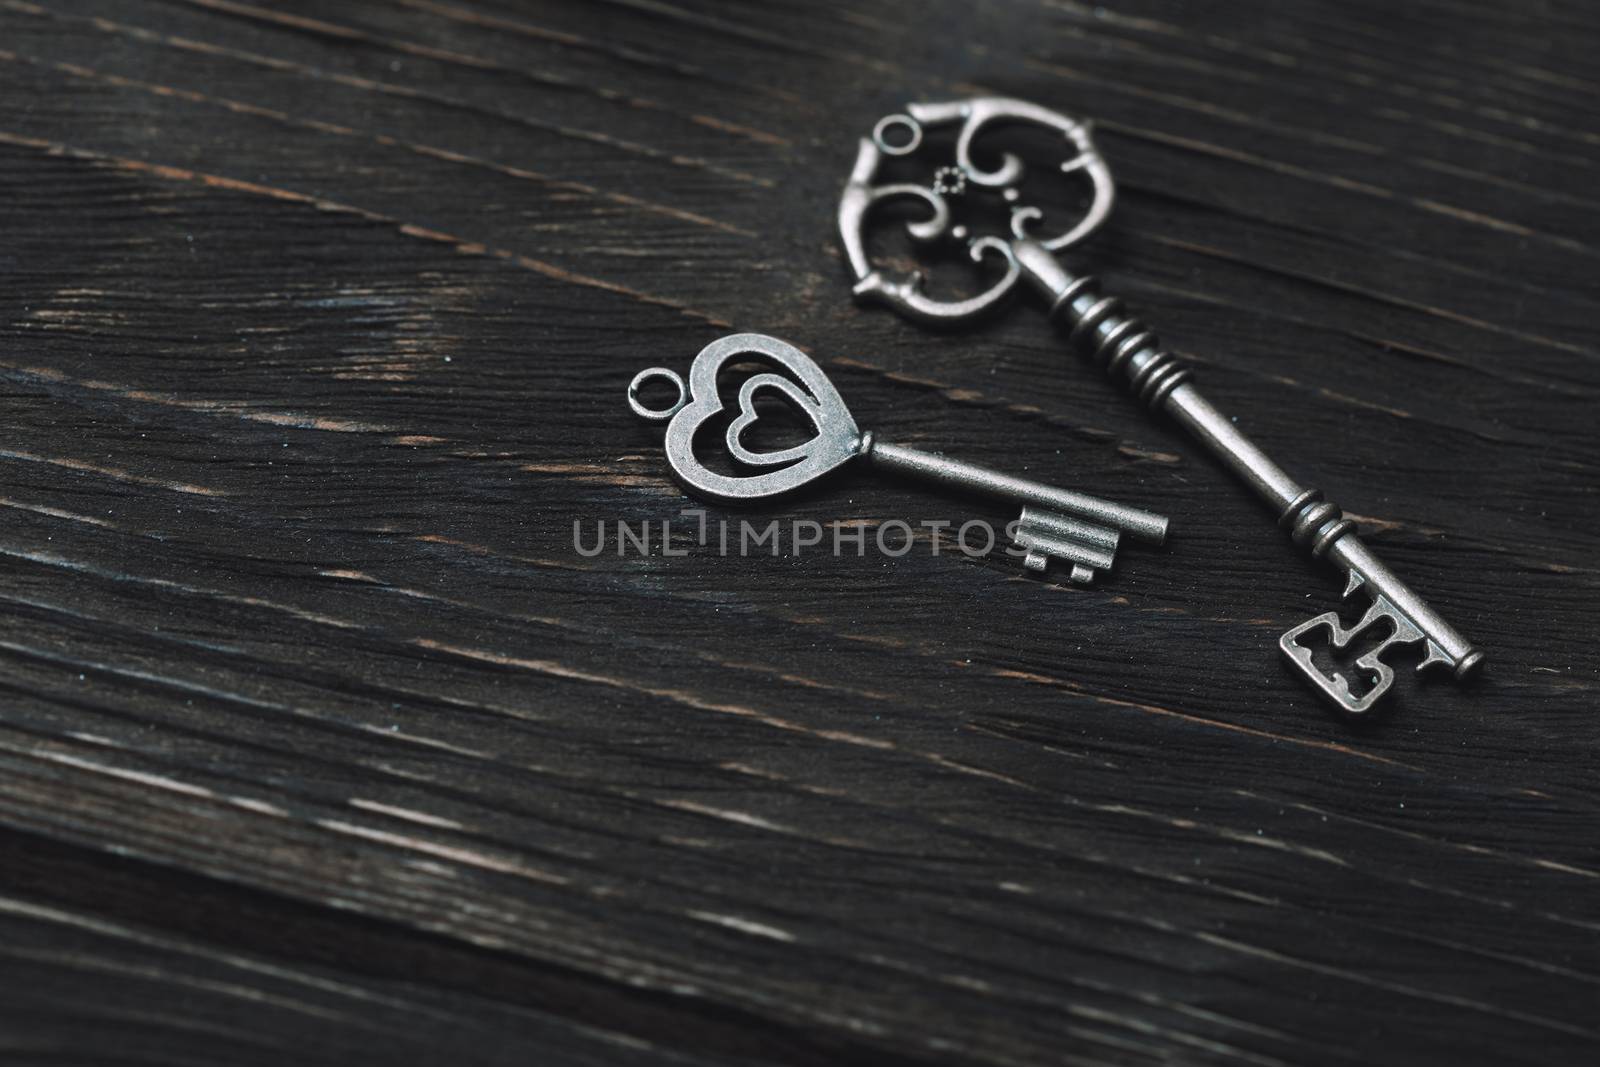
x: 321, y: 744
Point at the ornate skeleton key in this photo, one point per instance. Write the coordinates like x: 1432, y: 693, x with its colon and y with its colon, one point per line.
x: 1129, y: 352
x: 1081, y: 530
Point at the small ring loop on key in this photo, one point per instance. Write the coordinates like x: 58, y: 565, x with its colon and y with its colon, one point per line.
x: 880, y: 135
x: 650, y: 414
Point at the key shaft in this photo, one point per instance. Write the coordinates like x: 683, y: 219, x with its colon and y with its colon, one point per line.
x: 932, y: 467
x: 1131, y: 353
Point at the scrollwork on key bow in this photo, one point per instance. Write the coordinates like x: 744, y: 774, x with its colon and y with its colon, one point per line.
x: 984, y: 111
x: 905, y: 293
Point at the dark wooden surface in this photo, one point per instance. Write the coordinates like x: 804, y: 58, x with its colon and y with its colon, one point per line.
x: 320, y: 743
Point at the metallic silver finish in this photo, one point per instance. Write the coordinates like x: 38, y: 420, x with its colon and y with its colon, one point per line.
x: 1049, y: 519
x: 1062, y: 526
x: 1090, y: 556
x: 880, y: 135
x: 931, y: 466
x: 1129, y: 352
x: 656, y: 414
x: 862, y: 194
x: 836, y: 442
x: 1224, y: 440
x: 1048, y: 535
x: 989, y: 111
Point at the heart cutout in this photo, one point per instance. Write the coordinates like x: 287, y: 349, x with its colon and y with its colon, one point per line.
x: 835, y: 442
x: 748, y: 417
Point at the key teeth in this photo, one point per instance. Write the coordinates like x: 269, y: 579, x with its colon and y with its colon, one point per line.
x: 1352, y: 583
x: 1435, y: 655
x: 1334, y: 684
x: 1048, y: 535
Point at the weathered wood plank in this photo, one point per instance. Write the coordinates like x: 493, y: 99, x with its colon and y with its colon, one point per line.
x: 318, y: 734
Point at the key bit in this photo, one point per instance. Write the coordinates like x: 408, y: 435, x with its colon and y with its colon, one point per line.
x: 1062, y: 524
x: 1051, y: 535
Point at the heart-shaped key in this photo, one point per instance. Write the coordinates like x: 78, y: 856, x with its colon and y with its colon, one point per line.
x: 836, y: 440
x: 1081, y: 530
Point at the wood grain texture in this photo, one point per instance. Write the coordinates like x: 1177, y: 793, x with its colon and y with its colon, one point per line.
x: 320, y: 741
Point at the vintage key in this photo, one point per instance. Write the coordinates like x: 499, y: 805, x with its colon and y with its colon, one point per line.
x: 1098, y: 326
x: 1080, y: 530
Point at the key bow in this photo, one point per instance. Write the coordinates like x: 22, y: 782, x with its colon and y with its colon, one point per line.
x: 836, y: 440
x: 862, y: 194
